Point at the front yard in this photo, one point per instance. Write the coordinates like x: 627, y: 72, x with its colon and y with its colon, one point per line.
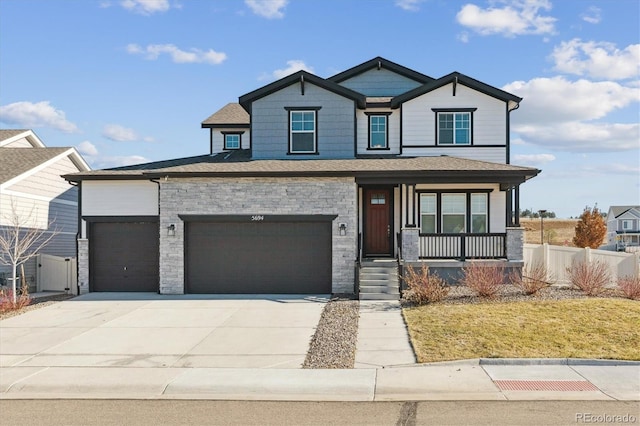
x: 600, y: 328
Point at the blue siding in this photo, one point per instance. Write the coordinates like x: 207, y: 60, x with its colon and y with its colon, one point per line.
x: 335, y: 123
x: 380, y: 83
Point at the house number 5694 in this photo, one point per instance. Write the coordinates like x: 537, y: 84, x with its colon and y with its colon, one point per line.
x: 257, y: 218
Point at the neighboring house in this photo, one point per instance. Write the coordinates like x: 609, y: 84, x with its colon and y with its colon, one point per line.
x: 30, y: 181
x: 623, y: 227
x: 310, y: 183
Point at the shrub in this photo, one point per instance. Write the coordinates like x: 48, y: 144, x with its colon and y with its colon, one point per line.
x: 483, y: 279
x: 6, y: 299
x: 590, y: 229
x: 592, y: 278
x: 532, y: 279
x: 423, y: 286
x: 630, y: 287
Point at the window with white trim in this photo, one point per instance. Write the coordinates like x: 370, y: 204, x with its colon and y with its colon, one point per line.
x: 378, y: 131
x: 454, y: 128
x: 302, y: 138
x: 626, y: 225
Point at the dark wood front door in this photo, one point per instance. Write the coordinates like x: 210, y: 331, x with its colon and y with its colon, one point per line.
x: 377, y: 222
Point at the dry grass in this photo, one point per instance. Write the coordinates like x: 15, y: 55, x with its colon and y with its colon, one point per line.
x: 582, y: 328
x: 558, y: 232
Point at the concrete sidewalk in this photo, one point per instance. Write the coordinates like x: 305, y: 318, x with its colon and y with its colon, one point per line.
x: 464, y: 380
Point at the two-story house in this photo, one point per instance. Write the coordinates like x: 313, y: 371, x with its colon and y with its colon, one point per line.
x: 307, y: 181
x: 623, y: 227
x: 34, y: 195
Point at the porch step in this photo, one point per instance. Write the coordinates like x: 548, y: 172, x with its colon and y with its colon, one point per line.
x: 379, y: 281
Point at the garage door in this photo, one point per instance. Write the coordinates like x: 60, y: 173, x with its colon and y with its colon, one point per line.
x: 258, y: 257
x: 124, y: 256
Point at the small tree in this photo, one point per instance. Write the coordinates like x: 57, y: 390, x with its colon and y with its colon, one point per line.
x: 591, y: 228
x: 21, y: 239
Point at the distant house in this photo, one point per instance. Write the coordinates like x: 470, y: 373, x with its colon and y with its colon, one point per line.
x: 315, y: 185
x: 30, y: 180
x: 623, y: 227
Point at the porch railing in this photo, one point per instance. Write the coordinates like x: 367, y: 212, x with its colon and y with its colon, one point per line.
x: 463, y: 246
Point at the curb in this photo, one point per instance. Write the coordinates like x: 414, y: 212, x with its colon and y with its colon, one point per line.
x: 555, y: 361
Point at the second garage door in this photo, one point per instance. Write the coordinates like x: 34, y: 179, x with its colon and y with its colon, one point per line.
x: 258, y: 257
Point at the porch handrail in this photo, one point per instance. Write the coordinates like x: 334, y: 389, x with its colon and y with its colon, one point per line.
x: 463, y: 246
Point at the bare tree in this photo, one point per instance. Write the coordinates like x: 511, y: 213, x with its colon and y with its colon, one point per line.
x: 21, y: 238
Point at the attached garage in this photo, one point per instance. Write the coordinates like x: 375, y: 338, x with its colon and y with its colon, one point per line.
x: 258, y: 254
x: 124, y: 256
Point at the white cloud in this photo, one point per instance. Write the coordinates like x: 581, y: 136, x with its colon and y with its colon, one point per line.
x: 87, y: 148
x: 39, y: 114
x: 592, y: 15
x: 533, y: 159
x: 118, y: 133
x: 270, y: 9
x: 553, y: 100
x: 193, y: 55
x: 410, y: 5
x: 293, y: 65
x: 516, y: 17
x: 597, y: 59
x: 146, y: 7
x: 561, y: 114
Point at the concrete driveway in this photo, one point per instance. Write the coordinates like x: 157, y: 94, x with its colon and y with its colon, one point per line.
x: 151, y: 330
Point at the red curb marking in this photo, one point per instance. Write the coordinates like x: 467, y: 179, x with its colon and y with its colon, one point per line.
x: 545, y: 385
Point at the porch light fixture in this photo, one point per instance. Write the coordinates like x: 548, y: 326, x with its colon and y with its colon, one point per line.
x: 343, y: 228
x: 542, y: 212
x: 171, y: 230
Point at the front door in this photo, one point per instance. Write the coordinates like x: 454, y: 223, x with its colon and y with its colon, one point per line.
x: 377, y: 222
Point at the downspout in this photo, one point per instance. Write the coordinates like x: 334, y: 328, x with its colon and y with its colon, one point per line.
x: 509, y: 130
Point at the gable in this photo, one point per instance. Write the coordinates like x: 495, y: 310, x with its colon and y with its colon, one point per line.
x: 19, y: 138
x: 380, y: 82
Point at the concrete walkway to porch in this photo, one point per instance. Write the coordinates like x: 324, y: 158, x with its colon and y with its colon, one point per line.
x: 383, y: 339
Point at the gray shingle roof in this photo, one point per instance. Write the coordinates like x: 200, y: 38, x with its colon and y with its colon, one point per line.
x: 230, y: 114
x: 619, y: 210
x: 9, y: 133
x: 238, y: 163
x: 16, y: 161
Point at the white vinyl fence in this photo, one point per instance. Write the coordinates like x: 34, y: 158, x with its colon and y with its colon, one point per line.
x: 558, y: 258
x: 56, y: 273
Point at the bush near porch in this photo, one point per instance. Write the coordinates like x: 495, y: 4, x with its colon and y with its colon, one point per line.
x: 600, y: 328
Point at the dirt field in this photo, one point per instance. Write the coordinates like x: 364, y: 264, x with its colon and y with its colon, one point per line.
x: 558, y: 232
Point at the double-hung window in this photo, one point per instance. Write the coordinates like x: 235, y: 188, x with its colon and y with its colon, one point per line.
x: 303, y: 131
x: 626, y: 225
x: 454, y: 213
x: 378, y: 131
x: 454, y: 127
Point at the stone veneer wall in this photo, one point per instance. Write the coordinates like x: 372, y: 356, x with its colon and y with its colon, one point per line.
x: 515, y: 244
x: 83, y: 265
x: 257, y: 196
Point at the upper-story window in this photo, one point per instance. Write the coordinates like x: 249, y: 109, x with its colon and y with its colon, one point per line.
x: 626, y: 225
x: 454, y: 127
x: 303, y: 131
x: 232, y: 140
x: 378, y: 131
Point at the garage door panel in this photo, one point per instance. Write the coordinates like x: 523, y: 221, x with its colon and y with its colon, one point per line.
x: 124, y: 256
x: 281, y: 257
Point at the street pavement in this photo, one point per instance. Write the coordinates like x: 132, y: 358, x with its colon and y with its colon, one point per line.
x: 149, y: 346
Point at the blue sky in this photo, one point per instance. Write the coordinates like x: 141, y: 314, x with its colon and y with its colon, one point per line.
x: 130, y: 81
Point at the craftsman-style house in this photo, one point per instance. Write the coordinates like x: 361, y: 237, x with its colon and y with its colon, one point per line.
x: 309, y: 185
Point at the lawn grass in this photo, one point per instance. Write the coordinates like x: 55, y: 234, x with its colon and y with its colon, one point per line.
x: 596, y: 328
